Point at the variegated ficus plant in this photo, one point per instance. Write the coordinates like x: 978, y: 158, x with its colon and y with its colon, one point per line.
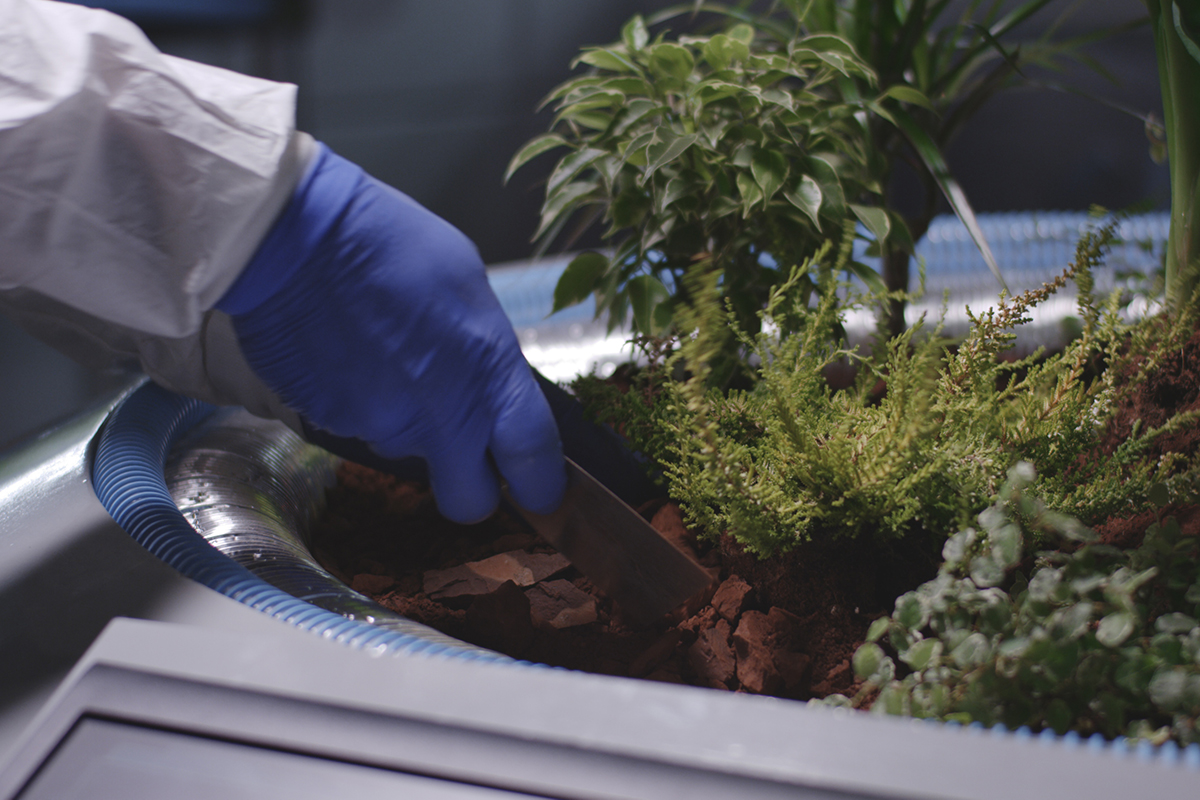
x: 745, y: 147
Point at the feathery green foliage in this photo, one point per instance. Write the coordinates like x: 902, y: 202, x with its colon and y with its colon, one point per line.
x: 920, y: 443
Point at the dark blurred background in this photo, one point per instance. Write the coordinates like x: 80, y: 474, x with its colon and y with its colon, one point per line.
x: 435, y: 97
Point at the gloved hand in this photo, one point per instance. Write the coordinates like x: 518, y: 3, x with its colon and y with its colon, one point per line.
x: 373, y: 319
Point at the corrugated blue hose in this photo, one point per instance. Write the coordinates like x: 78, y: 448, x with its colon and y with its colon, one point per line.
x: 128, y: 478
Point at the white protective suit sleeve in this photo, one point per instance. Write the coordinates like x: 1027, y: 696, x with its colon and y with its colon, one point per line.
x: 134, y: 187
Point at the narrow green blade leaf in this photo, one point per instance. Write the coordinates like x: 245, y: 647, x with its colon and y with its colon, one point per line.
x: 936, y: 164
x: 907, y: 94
x: 579, y: 280
x: 532, y: 149
x: 646, y: 293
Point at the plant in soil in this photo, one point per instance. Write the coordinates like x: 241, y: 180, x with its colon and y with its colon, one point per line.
x: 744, y: 149
x: 735, y: 170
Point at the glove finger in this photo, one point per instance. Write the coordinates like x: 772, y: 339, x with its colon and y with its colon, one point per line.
x: 465, y: 487
x: 526, y: 446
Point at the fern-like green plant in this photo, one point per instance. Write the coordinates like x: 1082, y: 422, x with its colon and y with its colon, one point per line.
x: 923, y: 439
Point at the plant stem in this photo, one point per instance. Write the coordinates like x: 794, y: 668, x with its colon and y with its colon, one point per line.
x: 1179, y: 75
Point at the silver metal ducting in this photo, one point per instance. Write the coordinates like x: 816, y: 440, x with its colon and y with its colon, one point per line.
x: 253, y: 489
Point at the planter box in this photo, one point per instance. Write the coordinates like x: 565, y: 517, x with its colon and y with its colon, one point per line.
x: 219, y: 690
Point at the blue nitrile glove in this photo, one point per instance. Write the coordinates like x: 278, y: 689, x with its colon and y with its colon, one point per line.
x: 373, y: 318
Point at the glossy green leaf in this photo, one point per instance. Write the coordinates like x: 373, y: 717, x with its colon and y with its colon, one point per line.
x: 972, y: 651
x: 908, y: 94
x: 671, y: 60
x: 722, y: 50
x: 867, y: 660
x: 750, y: 192
x: 579, y: 279
x: 923, y: 654
x: 878, y: 628
x: 566, y: 197
x: 634, y: 33
x: 770, y: 169
x: 646, y: 293
x: 607, y: 59
x: 875, y: 219
x: 534, y: 148
x: 742, y: 33
x: 806, y: 195
x: 1115, y: 628
x: 668, y: 148
x: 571, y: 165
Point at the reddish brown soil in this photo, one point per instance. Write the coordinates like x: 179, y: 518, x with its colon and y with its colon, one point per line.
x: 787, y: 627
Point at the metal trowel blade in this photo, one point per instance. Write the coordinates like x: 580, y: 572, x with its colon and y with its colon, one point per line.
x: 621, y: 553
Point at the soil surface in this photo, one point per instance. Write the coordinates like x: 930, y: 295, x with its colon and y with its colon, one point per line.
x: 787, y: 627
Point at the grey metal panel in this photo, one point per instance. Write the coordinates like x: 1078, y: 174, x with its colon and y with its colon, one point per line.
x: 549, y: 732
x: 66, y: 569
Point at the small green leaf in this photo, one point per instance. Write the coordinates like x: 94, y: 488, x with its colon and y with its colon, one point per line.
x: 532, y: 149
x: 742, y: 33
x: 646, y: 292
x: 878, y: 628
x: 721, y: 50
x: 634, y: 34
x: 972, y: 651
x: 868, y: 276
x: 867, y: 660
x: 570, y: 166
x: 750, y: 191
x: 1115, y: 628
x: 1174, y: 622
x: 607, y: 59
x: 579, y: 280
x: 807, y: 196
x: 1168, y: 689
x: 1159, y: 494
x: 912, y: 611
x: 568, y: 196
x: 923, y: 654
x: 668, y: 148
x: 907, y: 94
x: 672, y: 61
x: 769, y: 168
x: 876, y: 220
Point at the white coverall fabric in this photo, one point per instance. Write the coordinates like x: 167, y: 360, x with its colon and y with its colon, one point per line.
x: 134, y: 187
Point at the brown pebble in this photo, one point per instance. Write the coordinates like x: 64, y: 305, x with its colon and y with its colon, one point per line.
x: 755, y: 646
x: 559, y: 604
x: 711, y: 657
x: 484, y: 577
x: 731, y: 598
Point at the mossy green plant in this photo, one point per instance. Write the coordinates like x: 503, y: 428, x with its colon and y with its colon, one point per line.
x: 1088, y: 638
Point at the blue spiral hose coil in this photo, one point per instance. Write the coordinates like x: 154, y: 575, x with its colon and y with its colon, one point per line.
x: 128, y: 478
